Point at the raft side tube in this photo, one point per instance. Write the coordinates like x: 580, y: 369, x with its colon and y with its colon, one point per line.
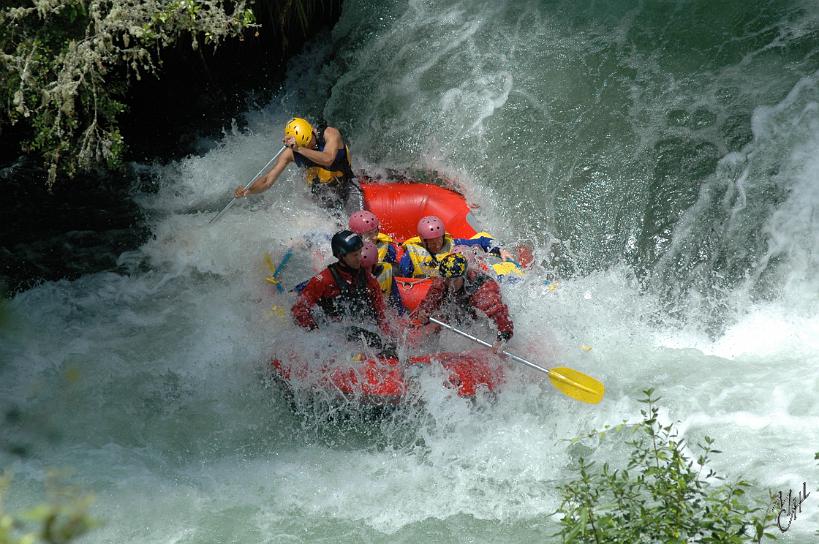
x: 399, y: 207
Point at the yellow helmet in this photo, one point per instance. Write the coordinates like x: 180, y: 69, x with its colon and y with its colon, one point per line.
x: 299, y: 129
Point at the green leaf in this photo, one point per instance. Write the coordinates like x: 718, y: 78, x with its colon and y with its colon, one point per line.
x: 659, y: 494
x: 38, y: 513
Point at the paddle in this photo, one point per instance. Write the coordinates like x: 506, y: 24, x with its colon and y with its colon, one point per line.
x: 249, y: 183
x: 273, y: 279
x: 568, y: 381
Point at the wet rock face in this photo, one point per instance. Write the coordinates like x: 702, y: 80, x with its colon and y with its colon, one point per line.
x: 84, y: 224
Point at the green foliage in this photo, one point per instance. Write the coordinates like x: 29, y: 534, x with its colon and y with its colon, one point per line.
x: 63, y: 519
x: 659, y: 496
x: 66, y: 65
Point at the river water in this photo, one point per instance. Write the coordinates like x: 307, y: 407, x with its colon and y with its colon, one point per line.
x: 661, y: 157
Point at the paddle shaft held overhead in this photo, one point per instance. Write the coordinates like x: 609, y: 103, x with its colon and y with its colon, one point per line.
x: 249, y: 183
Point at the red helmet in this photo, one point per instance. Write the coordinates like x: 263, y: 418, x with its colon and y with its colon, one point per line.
x: 430, y: 227
x: 369, y: 255
x: 363, y: 221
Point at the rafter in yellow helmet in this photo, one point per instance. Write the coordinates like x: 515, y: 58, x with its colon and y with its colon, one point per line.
x: 300, y: 129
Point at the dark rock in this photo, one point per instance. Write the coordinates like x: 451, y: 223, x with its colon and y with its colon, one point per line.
x: 84, y: 224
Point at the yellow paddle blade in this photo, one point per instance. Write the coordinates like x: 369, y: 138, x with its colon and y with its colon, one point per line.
x: 577, y: 385
x: 268, y: 260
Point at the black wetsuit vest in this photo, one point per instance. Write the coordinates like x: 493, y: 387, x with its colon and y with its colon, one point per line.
x: 354, y: 300
x: 339, y: 164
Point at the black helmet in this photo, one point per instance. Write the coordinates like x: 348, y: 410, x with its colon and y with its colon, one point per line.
x: 345, y: 242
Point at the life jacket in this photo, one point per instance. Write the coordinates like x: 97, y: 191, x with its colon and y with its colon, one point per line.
x: 507, y: 270
x: 353, y: 299
x: 501, y: 269
x: 382, y: 244
x: 383, y: 273
x: 425, y: 265
x: 340, y: 170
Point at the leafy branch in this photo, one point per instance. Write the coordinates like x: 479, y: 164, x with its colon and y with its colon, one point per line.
x: 62, y: 519
x: 67, y: 63
x: 659, y: 495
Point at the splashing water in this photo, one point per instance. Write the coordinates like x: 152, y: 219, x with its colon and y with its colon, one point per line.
x: 662, y: 160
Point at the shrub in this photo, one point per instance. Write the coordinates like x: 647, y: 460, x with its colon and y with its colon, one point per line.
x: 63, y: 519
x: 660, y: 495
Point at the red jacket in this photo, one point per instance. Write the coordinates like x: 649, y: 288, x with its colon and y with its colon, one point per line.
x: 322, y: 290
x: 480, y: 293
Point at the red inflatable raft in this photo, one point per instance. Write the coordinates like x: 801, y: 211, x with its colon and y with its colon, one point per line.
x: 383, y: 381
x: 399, y: 207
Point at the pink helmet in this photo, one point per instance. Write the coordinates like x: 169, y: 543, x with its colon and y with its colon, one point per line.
x: 369, y: 255
x: 363, y: 221
x: 430, y: 227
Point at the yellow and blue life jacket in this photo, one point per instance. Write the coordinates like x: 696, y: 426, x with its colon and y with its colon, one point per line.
x: 384, y: 274
x: 386, y: 248
x: 339, y: 170
x: 503, y: 270
x: 507, y: 270
x: 417, y: 261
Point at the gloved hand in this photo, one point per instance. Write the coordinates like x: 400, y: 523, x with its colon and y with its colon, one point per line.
x: 500, y: 343
x: 290, y: 142
x: 389, y: 350
x: 419, y: 318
